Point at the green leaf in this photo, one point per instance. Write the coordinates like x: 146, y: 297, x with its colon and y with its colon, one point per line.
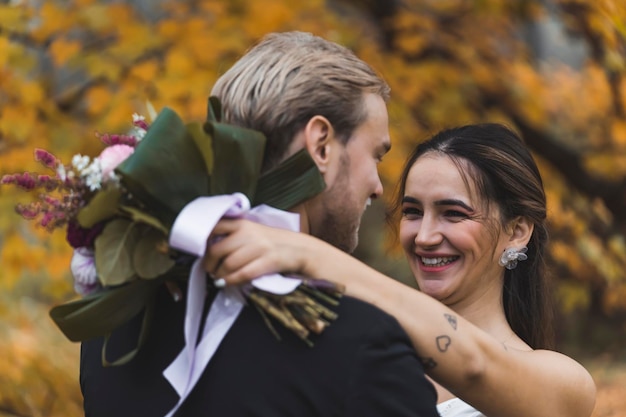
x: 174, y: 164
x: 204, y: 143
x: 293, y: 181
x: 141, y: 217
x: 148, y: 262
x: 166, y: 171
x: 238, y: 167
x: 101, y: 207
x: 99, y: 314
x: 113, y: 252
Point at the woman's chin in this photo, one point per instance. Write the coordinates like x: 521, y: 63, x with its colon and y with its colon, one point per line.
x: 434, y: 288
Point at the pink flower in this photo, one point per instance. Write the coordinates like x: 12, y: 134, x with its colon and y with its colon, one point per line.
x: 111, y: 140
x: 83, y: 267
x: 26, y: 180
x: 46, y: 158
x: 111, y: 157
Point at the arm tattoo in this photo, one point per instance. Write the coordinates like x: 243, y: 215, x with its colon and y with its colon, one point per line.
x: 451, y: 319
x: 443, y: 342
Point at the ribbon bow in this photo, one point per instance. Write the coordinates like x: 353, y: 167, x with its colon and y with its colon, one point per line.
x: 189, y: 233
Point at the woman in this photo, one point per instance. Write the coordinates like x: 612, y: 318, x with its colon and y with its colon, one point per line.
x: 472, y: 226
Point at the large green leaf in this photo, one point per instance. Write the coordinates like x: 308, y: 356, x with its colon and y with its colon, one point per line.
x: 240, y: 157
x: 101, y: 207
x: 141, y: 217
x: 166, y: 171
x: 147, y: 261
x: 114, y: 248
x: 295, y: 180
x: 99, y: 314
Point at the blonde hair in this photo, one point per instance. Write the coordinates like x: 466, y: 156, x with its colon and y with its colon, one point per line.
x: 288, y: 78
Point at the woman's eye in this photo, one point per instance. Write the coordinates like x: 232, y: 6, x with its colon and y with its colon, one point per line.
x: 411, y: 212
x: 456, y: 214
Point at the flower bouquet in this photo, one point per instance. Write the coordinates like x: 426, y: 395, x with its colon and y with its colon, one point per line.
x: 119, y: 210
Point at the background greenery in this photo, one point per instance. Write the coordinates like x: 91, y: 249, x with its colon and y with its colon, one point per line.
x: 553, y: 70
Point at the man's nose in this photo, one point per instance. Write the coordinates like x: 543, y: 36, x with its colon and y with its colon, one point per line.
x: 378, y: 191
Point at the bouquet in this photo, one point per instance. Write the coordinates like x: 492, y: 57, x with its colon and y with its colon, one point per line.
x: 118, y: 210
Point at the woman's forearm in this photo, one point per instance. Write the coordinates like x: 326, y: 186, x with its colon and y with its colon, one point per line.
x: 457, y: 354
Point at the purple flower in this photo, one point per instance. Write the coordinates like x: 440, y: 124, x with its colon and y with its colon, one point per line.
x: 140, y: 122
x: 47, y: 218
x: 111, y: 140
x: 78, y: 236
x: 28, y: 211
x: 46, y: 158
x: 83, y: 267
x: 27, y: 181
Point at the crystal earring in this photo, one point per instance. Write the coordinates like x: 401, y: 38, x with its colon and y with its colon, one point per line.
x: 510, y: 257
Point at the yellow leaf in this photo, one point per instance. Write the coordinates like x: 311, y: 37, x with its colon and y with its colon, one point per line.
x: 120, y: 13
x: 31, y: 93
x: 145, y: 71
x: 103, y: 66
x: 177, y: 63
x: 266, y: 16
x: 169, y: 29
x: 572, y: 296
x: 13, y: 18
x: 13, y: 257
x: 62, y: 50
x: 17, y: 121
x: 134, y: 40
x: 4, y: 51
x: 95, y: 16
x: 618, y: 132
x: 52, y: 19
x: 97, y: 100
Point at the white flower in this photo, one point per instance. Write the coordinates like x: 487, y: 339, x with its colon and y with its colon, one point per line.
x: 139, y: 133
x: 61, y: 172
x: 138, y: 117
x: 93, y: 175
x: 83, y: 269
x: 80, y: 162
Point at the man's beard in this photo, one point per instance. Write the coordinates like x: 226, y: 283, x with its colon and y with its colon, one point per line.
x: 341, y: 215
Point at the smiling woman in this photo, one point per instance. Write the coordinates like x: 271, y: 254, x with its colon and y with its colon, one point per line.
x: 472, y: 225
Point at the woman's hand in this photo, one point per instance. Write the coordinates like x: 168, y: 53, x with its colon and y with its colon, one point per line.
x: 244, y: 250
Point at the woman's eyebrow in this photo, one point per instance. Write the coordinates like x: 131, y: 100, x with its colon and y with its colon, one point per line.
x: 444, y: 202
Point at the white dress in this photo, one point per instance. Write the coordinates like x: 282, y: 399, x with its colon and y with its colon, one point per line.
x: 457, y: 408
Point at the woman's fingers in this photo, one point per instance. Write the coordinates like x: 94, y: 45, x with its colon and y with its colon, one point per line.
x: 246, y: 250
x: 235, y: 255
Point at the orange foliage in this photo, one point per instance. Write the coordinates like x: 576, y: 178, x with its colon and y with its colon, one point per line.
x: 71, y: 68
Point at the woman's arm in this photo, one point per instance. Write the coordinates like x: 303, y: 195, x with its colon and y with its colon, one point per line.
x: 497, y: 380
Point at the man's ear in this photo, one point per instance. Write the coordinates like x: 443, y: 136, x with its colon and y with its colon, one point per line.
x: 319, y: 137
x: 521, y: 229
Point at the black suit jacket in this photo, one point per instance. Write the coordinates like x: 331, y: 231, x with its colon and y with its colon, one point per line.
x: 362, y: 365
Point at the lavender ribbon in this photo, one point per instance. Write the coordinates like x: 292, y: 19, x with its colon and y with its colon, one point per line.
x: 189, y: 233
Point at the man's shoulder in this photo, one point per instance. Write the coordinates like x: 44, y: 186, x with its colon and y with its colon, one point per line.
x: 352, y: 311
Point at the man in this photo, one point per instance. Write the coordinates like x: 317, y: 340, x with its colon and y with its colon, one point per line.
x: 302, y: 92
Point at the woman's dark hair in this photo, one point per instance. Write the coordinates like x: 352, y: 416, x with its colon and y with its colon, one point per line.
x: 506, y: 174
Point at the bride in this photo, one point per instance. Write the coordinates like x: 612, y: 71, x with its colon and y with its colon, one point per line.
x: 472, y: 224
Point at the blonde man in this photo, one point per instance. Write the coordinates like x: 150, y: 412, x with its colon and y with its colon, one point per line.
x: 302, y: 92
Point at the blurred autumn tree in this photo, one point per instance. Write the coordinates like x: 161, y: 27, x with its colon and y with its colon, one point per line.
x: 553, y: 70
